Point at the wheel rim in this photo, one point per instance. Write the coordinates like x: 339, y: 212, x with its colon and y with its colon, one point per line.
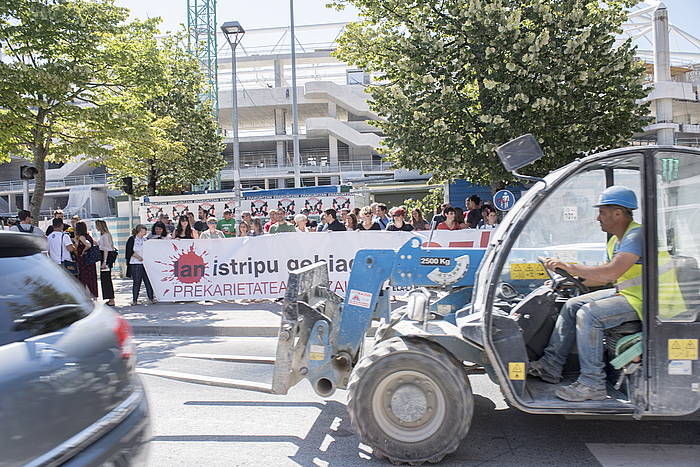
x: 408, y: 406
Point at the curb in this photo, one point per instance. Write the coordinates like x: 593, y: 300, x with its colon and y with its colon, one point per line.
x: 214, y: 331
x: 205, y: 331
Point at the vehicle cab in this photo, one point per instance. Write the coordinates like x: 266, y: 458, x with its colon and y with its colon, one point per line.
x: 517, y: 309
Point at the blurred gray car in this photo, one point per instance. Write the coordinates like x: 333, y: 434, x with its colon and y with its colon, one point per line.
x: 68, y: 391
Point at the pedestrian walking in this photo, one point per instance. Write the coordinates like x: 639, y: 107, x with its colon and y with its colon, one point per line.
x: 87, y: 272
x: 134, y: 258
x: 212, y: 232
x: 109, y: 256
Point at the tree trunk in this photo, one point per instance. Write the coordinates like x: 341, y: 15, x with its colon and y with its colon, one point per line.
x: 40, y: 148
x: 40, y: 184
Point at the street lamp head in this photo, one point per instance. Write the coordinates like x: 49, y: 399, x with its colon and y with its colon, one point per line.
x: 231, y: 28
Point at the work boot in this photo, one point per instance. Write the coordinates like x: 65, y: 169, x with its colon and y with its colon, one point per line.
x: 579, y: 392
x: 543, y: 372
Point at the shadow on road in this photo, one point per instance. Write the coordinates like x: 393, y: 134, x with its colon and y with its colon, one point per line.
x: 497, y: 437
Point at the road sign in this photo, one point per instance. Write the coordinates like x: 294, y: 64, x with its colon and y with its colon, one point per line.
x: 504, y: 200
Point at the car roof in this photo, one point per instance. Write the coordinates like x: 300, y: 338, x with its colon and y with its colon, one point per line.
x: 20, y: 244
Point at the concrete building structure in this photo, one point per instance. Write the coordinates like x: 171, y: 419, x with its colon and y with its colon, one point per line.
x: 339, y: 139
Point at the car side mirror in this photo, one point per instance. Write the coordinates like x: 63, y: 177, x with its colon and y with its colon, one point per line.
x: 519, y: 152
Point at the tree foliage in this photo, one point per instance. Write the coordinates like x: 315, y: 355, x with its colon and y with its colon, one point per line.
x: 62, y: 57
x: 77, y: 79
x: 456, y: 78
x: 182, y: 145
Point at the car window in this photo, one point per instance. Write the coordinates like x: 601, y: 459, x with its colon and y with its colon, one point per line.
x: 32, y: 283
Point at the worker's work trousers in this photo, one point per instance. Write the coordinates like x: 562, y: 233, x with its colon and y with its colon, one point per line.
x: 585, y: 319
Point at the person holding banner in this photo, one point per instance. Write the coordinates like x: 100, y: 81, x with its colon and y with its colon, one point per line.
x: 134, y: 253
x: 450, y: 222
x: 212, y: 231
x: 243, y: 229
x: 159, y: 231
x: 367, y: 220
x: 184, y: 229
x: 301, y: 221
x: 256, y: 228
x: 398, y: 223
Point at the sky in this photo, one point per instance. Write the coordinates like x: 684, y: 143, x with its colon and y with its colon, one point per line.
x: 270, y: 13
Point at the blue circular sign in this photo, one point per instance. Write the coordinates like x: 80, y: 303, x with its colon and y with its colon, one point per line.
x: 504, y: 200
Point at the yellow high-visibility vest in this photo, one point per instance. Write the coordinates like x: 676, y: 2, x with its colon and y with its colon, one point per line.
x: 629, y: 284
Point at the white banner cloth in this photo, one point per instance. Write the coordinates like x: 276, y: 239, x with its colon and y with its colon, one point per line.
x: 258, y: 267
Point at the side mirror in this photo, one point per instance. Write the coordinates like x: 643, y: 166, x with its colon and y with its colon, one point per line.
x: 519, y: 152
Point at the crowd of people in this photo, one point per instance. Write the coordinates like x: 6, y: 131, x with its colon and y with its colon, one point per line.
x: 72, y: 246
x: 377, y: 216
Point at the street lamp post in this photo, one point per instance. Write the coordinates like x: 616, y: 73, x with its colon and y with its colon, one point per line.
x: 233, y: 31
x: 295, y: 115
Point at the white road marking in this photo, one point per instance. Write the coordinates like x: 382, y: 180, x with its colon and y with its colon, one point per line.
x: 645, y: 455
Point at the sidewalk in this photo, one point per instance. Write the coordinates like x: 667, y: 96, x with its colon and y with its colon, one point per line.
x: 203, y: 319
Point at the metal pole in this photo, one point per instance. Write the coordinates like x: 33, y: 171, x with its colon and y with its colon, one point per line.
x: 131, y: 213
x: 25, y: 195
x: 295, y: 116
x: 234, y: 123
x: 662, y: 75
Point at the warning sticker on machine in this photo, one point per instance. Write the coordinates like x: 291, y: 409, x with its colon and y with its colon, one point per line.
x: 682, y: 349
x: 360, y: 298
x: 516, y: 370
x: 520, y: 271
x: 317, y: 352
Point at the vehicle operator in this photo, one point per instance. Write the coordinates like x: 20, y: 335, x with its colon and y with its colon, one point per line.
x: 585, y: 318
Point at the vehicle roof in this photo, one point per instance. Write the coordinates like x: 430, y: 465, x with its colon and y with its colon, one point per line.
x: 20, y: 244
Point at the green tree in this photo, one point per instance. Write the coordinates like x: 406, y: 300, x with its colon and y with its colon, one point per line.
x: 181, y: 145
x: 456, y: 78
x: 64, y: 60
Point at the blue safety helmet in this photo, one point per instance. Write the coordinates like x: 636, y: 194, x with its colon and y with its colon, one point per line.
x: 617, y: 195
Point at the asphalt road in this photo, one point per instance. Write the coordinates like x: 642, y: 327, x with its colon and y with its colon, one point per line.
x: 203, y: 425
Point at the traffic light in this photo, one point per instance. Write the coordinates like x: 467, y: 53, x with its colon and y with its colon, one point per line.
x: 27, y: 172
x: 128, y: 185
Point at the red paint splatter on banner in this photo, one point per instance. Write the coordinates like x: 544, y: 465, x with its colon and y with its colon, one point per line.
x: 185, y: 266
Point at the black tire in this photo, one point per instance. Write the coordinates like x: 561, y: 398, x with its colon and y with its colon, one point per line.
x: 394, y: 375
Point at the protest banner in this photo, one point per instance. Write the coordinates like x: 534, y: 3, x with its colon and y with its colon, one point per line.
x: 258, y: 267
x: 258, y: 203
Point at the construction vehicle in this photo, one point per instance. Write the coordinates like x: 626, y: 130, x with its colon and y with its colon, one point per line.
x: 493, y: 310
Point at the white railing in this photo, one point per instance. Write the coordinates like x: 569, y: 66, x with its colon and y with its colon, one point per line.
x: 95, y: 179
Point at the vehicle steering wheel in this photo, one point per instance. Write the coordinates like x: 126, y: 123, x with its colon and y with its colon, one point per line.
x: 564, y: 279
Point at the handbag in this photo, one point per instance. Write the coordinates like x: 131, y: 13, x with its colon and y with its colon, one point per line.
x: 93, y: 255
x: 111, y: 258
x: 71, y: 267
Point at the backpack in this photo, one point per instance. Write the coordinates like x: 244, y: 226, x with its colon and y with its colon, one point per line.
x: 30, y: 231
